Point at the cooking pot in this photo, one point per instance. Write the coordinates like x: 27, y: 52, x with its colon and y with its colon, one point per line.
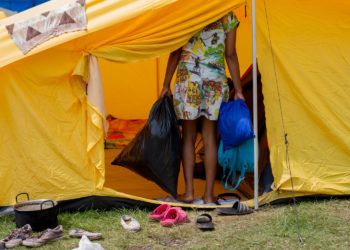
x: 39, y: 214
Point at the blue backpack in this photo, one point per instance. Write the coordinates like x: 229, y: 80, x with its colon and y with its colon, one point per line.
x: 237, y: 159
x: 234, y: 123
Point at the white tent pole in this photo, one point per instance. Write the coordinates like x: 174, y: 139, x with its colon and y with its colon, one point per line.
x: 255, y: 109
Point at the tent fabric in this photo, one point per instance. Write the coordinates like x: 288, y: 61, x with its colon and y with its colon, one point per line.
x: 304, y: 60
x: 51, y: 136
x: 127, y: 30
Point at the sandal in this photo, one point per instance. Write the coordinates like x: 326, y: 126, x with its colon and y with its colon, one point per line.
x: 201, y: 202
x: 205, y: 222
x: 168, y: 199
x: 228, y: 198
x: 78, y: 233
x: 174, y: 216
x: 237, y: 208
x: 159, y: 212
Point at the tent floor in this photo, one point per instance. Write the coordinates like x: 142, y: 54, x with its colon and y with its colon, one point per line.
x: 126, y: 181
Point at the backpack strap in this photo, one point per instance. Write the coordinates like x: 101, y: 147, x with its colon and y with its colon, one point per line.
x: 240, y: 179
x: 231, y: 175
x: 227, y: 160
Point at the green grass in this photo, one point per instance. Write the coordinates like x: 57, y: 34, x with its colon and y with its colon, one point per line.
x: 323, y: 225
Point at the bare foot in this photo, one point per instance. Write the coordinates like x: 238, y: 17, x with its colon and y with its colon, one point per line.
x: 185, y: 198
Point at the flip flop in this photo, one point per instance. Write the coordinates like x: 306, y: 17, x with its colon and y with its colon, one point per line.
x: 205, y: 222
x: 159, y: 212
x: 130, y: 224
x: 78, y: 233
x: 237, y: 208
x: 174, y: 216
x: 168, y: 199
x: 224, y: 200
x: 201, y: 202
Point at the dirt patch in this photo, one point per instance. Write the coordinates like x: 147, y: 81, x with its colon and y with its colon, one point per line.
x: 139, y: 248
x: 169, y: 241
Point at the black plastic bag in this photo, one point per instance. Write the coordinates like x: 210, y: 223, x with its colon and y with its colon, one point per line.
x: 155, y: 152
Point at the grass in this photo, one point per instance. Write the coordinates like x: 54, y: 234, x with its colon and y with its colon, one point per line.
x: 323, y: 225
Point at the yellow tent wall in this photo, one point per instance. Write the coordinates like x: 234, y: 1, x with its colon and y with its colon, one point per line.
x: 304, y: 59
x: 51, y: 140
x: 123, y: 98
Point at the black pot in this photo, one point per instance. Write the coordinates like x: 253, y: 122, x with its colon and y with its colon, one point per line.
x: 39, y: 214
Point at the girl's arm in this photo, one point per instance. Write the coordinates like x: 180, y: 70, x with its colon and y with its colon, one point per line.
x: 173, y: 61
x: 232, y: 62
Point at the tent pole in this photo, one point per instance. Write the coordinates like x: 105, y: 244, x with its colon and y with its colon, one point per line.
x: 255, y: 109
x: 157, y: 77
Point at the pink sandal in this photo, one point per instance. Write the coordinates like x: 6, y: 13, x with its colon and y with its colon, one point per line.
x: 174, y: 216
x: 159, y: 212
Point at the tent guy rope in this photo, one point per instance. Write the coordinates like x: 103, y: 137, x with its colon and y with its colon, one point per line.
x: 284, y: 129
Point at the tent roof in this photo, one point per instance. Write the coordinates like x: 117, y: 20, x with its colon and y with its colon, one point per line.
x: 171, y: 20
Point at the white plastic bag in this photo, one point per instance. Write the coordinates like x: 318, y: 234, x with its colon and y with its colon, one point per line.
x: 86, y: 244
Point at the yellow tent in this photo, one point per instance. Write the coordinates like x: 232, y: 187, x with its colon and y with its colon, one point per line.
x: 51, y: 132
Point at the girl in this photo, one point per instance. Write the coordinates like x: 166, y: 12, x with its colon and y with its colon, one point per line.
x: 200, y: 88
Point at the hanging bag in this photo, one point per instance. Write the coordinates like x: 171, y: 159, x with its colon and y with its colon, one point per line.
x: 237, y: 159
x: 155, y: 152
x: 234, y: 123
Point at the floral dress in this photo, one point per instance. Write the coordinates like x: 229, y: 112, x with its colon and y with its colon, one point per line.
x: 201, y: 83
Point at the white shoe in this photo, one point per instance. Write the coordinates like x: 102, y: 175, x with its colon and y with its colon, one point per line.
x: 130, y: 224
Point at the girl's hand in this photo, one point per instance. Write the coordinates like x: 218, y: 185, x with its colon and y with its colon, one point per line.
x: 239, y: 95
x: 165, y: 92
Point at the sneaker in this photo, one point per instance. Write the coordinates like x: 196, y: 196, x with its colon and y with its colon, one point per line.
x: 78, y: 233
x: 44, y: 237
x: 16, y: 237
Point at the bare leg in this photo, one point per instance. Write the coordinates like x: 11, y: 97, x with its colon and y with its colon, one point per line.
x: 210, y: 157
x: 189, y: 132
